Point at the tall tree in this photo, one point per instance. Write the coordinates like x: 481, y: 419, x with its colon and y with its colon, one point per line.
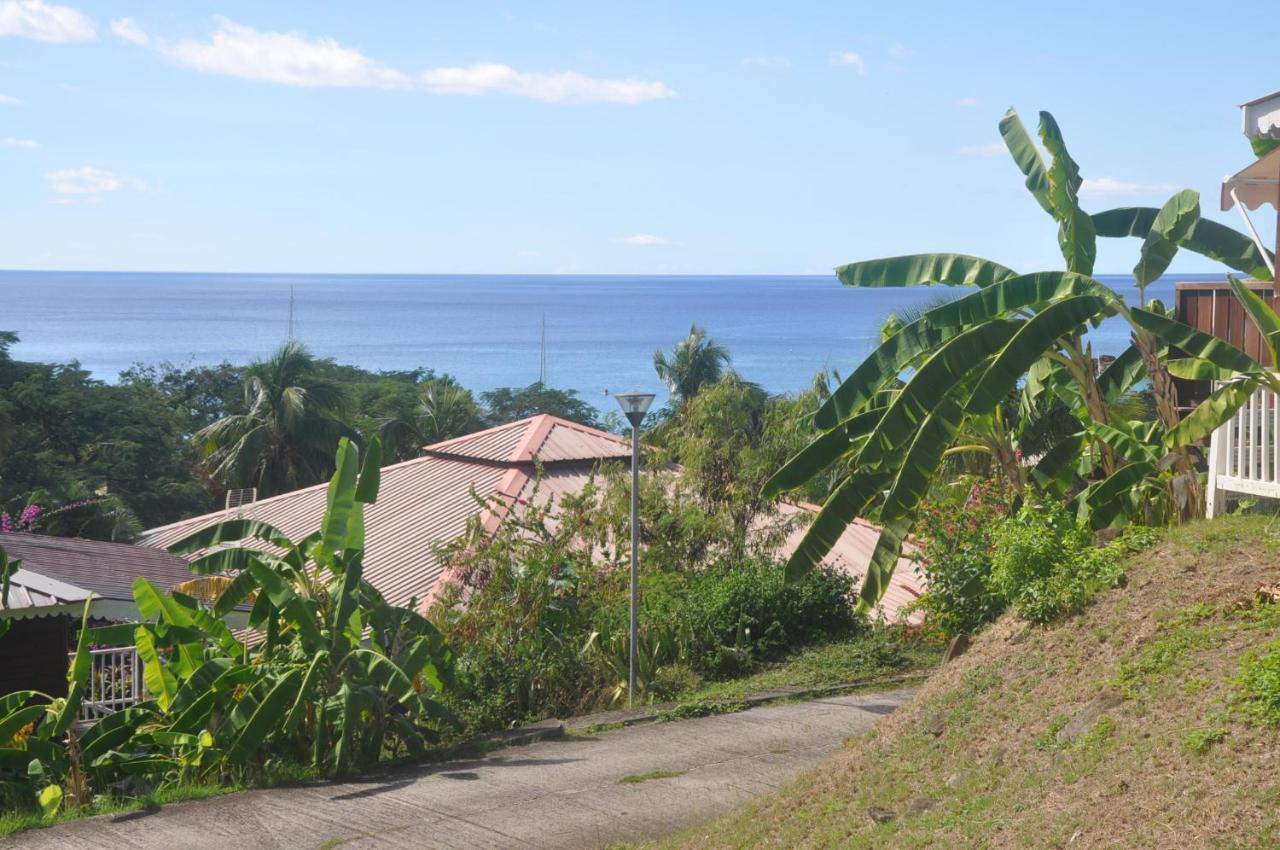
x: 286, y: 439
x: 444, y: 410
x: 696, y: 361
x: 509, y: 403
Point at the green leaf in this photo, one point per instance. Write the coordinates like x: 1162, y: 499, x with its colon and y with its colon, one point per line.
x: 301, y: 612
x: 1206, y: 237
x: 823, y: 451
x: 942, y: 323
x: 1209, y: 414
x: 1100, y: 504
x: 159, y: 681
x: 370, y: 473
x: 1196, y: 369
x: 340, y: 505
x: 77, y: 679
x: 305, y: 695
x: 1171, y: 225
x: 238, y: 591
x: 234, y: 530
x: 924, y: 270
x: 842, y: 507
x: 1262, y: 315
x: 1122, y: 374
x: 922, y: 459
x: 11, y: 723
x: 387, y: 674
x: 1032, y: 340
x: 883, y: 563
x: 1076, y: 233
x: 1195, y: 343
x: 267, y: 717
x: 1027, y: 156
x: 50, y: 800
x: 1058, y: 462
x: 112, y: 731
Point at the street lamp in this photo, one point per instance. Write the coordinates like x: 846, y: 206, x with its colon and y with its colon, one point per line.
x: 634, y: 406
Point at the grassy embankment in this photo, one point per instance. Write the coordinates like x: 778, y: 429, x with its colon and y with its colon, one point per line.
x: 1152, y: 719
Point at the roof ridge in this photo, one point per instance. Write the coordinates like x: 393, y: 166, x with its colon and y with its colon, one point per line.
x: 435, y: 447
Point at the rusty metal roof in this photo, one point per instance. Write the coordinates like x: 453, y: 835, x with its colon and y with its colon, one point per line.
x: 549, y: 439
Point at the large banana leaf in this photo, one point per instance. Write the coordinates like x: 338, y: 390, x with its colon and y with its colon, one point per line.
x: 1027, y: 156
x: 341, y: 507
x: 931, y: 384
x: 922, y: 460
x: 265, y: 719
x: 1032, y: 339
x: 160, y: 683
x: 1211, y: 413
x: 1193, y: 342
x: 230, y: 531
x: 1057, y: 463
x: 842, y: 507
x: 1263, y: 316
x: 1207, y: 237
x: 1076, y: 233
x: 822, y: 451
x: 77, y: 681
x: 883, y: 562
x: 924, y: 270
x: 1171, y: 225
x: 301, y: 611
x: 927, y: 333
x: 1101, y: 503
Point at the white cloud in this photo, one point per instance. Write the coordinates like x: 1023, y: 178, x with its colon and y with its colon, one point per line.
x: 299, y: 60
x: 848, y: 57
x: 9, y: 100
x: 127, y: 29
x: 42, y: 21
x: 87, y: 180
x: 898, y: 51
x: 992, y: 149
x: 553, y: 87
x: 967, y: 101
x: 644, y: 240
x: 767, y: 61
x: 11, y: 142
x: 1106, y: 187
x: 278, y: 57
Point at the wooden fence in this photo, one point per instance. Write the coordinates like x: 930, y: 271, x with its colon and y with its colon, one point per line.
x: 1214, y: 309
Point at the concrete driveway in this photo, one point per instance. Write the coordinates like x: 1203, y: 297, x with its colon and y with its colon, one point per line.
x: 562, y: 793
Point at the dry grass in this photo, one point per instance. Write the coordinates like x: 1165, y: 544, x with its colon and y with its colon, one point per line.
x: 975, y: 760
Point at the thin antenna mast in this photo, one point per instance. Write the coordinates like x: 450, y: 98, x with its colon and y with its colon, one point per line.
x: 542, y: 358
x: 290, y: 312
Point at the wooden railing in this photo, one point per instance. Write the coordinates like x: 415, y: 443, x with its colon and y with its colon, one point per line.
x: 1243, y: 456
x: 115, y: 682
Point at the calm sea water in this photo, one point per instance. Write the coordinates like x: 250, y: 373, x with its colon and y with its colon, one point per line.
x: 601, y: 331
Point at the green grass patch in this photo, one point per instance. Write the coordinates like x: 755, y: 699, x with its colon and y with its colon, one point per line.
x: 1258, y: 686
x: 1200, y: 741
x: 637, y: 778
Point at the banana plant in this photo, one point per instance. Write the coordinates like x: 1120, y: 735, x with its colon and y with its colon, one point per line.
x: 892, y: 421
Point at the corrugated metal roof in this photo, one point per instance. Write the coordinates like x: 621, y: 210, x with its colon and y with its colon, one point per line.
x: 105, y: 570
x: 427, y: 501
x: 28, y: 590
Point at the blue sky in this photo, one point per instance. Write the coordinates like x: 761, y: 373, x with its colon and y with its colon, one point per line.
x: 596, y: 138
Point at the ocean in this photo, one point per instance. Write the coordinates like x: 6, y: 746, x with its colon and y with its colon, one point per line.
x: 486, y: 330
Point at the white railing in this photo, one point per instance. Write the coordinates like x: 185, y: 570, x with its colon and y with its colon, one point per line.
x: 115, y: 682
x: 1243, y: 455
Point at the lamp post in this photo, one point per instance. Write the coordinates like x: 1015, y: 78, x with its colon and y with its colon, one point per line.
x: 634, y: 406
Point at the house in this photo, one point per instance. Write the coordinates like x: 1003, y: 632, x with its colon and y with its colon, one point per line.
x: 427, y: 501
x: 47, y: 597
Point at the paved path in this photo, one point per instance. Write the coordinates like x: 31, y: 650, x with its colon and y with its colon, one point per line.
x: 561, y: 793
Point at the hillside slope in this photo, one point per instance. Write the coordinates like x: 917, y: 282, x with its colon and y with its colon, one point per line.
x: 1121, y: 727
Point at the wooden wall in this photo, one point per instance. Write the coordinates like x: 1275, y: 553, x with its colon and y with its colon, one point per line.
x: 1214, y: 309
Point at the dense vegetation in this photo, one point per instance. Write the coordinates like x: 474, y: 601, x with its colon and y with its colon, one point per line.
x: 106, y: 460
x: 940, y: 384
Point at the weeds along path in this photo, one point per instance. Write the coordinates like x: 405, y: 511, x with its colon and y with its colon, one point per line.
x: 624, y: 785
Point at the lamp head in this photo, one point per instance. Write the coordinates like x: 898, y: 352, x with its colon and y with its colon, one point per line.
x: 634, y: 406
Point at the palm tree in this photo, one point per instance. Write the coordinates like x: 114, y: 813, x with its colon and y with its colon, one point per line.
x: 444, y: 410
x: 287, y: 437
x: 696, y: 361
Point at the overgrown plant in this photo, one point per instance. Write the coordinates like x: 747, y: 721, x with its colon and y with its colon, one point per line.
x: 328, y: 676
x: 893, y: 419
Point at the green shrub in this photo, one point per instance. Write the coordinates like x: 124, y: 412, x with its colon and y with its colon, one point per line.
x: 955, y: 556
x: 1258, y: 685
x: 1045, y: 564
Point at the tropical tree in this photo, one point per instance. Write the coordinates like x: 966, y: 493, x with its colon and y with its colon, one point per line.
x: 284, y: 440
x: 506, y: 404
x: 897, y: 414
x: 695, y: 362
x: 444, y: 410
